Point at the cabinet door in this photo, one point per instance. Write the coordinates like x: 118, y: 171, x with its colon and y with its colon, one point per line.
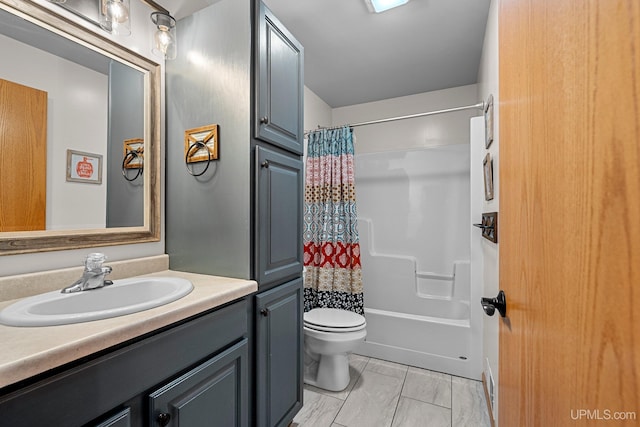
x: 279, y: 360
x: 213, y: 394
x: 279, y: 84
x: 279, y: 216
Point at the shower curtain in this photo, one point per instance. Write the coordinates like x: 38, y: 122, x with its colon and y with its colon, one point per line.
x: 332, y: 276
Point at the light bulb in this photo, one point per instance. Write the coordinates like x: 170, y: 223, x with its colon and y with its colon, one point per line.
x: 117, y: 11
x: 114, y: 17
x: 164, y: 40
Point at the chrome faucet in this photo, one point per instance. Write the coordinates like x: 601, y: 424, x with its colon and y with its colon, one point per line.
x: 93, y: 275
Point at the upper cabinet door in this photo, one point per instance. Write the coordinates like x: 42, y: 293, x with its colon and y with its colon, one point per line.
x: 279, y: 84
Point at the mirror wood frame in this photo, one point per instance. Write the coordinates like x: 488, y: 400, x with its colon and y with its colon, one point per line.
x: 12, y: 243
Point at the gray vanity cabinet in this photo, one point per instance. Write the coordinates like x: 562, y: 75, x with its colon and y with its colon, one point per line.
x: 279, y: 359
x: 198, y: 368
x: 279, y: 192
x: 279, y: 84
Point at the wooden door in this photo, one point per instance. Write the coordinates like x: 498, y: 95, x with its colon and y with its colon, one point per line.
x: 23, y: 157
x: 570, y: 212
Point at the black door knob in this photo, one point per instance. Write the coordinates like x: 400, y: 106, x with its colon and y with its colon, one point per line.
x: 490, y: 305
x: 264, y: 120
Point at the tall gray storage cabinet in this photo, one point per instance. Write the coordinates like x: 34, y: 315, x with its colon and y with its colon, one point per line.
x: 278, y: 188
x: 243, y: 217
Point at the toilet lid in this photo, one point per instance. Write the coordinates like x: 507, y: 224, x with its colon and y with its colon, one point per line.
x: 333, y: 319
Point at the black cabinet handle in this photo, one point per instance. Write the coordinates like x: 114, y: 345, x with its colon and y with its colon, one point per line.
x: 264, y: 312
x: 264, y: 120
x: 490, y: 305
x: 265, y: 164
x: 164, y: 418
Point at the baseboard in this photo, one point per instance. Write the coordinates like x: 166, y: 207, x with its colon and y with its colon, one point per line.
x: 488, y: 400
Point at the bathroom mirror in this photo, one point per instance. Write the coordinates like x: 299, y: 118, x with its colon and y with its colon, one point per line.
x: 98, y: 97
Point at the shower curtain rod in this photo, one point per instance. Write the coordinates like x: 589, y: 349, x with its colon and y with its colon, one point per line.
x: 479, y: 105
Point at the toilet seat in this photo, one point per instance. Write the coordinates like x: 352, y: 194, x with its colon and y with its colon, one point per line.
x: 334, y: 330
x: 334, y: 320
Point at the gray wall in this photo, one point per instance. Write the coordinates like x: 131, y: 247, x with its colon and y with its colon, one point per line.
x: 125, y: 199
x: 208, y: 217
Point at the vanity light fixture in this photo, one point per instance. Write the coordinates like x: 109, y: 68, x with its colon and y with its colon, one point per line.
x: 164, y: 39
x: 378, y: 6
x: 114, y: 16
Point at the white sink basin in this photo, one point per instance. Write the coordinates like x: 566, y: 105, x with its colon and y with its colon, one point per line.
x: 125, y: 296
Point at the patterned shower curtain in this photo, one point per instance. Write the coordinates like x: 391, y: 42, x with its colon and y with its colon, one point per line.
x: 332, y: 276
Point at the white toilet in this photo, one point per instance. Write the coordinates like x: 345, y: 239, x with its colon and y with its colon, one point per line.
x: 330, y: 335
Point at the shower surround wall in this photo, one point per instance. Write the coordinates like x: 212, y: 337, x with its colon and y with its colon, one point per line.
x: 414, y: 223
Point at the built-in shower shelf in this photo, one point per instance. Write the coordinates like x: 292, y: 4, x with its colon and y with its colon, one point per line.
x: 434, y: 276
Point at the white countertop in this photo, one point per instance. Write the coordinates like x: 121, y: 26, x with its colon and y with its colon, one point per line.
x: 28, y: 351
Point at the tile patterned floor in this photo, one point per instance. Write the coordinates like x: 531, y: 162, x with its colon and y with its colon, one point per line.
x: 386, y: 394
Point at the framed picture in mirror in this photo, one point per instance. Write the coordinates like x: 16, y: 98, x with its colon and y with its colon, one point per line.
x: 84, y: 167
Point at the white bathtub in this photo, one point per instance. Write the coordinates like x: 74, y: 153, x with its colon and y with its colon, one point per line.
x: 433, y: 343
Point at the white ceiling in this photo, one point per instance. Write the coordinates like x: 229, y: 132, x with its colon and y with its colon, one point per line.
x: 354, y: 56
